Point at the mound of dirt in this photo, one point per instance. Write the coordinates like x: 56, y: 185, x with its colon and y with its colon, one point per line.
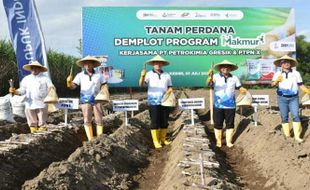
x: 7, y: 129
x: 282, y: 161
x: 23, y: 156
x: 262, y: 157
x: 108, y: 162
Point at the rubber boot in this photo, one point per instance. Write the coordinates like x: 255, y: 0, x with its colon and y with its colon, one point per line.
x: 42, y: 128
x: 33, y: 129
x: 218, y: 137
x: 297, y: 131
x: 286, y: 129
x: 155, y: 133
x: 89, y: 132
x: 229, y: 137
x: 163, y: 135
x: 99, y: 129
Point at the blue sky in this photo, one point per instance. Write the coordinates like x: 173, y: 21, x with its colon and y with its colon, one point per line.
x: 61, y: 19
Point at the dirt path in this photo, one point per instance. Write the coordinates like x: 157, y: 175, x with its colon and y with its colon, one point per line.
x: 246, y: 170
x: 149, y: 178
x: 262, y: 157
x: 124, y: 158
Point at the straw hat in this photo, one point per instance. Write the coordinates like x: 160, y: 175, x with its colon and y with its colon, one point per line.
x: 169, y: 100
x: 28, y: 66
x: 293, y: 61
x: 225, y: 62
x: 244, y: 99
x: 157, y: 58
x: 94, y: 60
x: 51, y: 96
x: 103, y: 95
x: 305, y: 99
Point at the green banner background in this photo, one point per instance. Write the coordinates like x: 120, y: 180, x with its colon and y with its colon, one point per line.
x: 101, y: 25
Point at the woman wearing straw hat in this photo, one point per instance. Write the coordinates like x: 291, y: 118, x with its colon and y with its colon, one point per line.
x: 287, y: 81
x: 90, y: 82
x: 224, y: 108
x: 35, y: 87
x: 159, y: 83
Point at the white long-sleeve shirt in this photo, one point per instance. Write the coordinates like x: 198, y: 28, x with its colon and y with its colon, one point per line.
x: 35, y: 87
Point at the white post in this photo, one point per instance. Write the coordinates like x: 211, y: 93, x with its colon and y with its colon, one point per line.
x: 202, y: 175
x: 211, y: 106
x: 192, y: 116
x: 132, y: 114
x: 66, y: 117
x: 255, y: 114
x: 126, y: 119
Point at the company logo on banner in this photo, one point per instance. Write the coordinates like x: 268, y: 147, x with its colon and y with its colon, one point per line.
x: 191, y: 39
x: 25, y: 32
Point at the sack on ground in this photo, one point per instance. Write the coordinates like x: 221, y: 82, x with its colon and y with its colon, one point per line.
x: 5, y: 108
x: 18, y: 106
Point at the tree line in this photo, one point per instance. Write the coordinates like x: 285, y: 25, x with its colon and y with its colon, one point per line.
x: 60, y: 64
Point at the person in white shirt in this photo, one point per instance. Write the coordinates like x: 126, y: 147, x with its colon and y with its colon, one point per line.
x: 90, y: 81
x: 224, y: 108
x: 35, y: 87
x: 287, y: 81
x: 158, y: 83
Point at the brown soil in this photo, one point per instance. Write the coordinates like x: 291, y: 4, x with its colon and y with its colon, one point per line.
x: 107, y: 162
x: 262, y: 157
x: 8, y: 129
x: 149, y: 178
x: 124, y: 158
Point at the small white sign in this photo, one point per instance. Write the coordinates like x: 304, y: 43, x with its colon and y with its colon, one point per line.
x: 125, y: 105
x: 262, y: 100
x: 68, y: 103
x: 191, y: 103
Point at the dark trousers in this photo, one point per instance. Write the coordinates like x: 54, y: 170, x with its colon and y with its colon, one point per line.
x: 159, y: 117
x: 219, y: 115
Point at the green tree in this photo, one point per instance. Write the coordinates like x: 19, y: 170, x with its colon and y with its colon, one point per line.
x: 59, y: 65
x: 303, y: 58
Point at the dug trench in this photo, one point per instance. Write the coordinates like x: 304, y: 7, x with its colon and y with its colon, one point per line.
x: 262, y: 157
x: 124, y: 160
x: 23, y: 156
x: 7, y: 129
x: 107, y: 162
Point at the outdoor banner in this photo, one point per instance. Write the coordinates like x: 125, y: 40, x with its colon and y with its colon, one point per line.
x: 25, y: 32
x: 190, y: 38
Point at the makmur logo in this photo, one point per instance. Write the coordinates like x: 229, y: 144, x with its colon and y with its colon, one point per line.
x: 238, y: 42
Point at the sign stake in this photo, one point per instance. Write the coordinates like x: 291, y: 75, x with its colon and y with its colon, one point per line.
x: 66, y: 117
x: 126, y: 119
x: 192, y: 116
